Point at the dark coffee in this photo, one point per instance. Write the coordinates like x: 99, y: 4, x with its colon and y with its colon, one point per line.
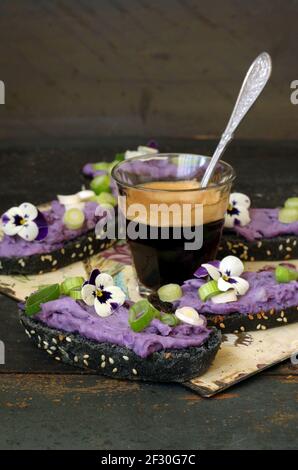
x: 160, y: 261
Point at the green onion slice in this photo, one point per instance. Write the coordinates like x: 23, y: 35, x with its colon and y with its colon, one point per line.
x: 141, y: 314
x: 288, y: 215
x: 119, y: 157
x: 100, y: 183
x: 103, y: 166
x: 169, y: 292
x: 71, y: 283
x: 284, y: 274
x: 170, y: 319
x: 46, y: 294
x: 292, y: 202
x: 76, y: 293
x: 74, y: 218
x: 208, y: 290
x: 106, y: 198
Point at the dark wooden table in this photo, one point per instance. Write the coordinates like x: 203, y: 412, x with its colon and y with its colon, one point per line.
x: 45, y: 405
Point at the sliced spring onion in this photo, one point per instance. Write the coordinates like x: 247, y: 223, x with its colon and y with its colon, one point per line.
x: 71, y: 283
x: 224, y: 297
x: 141, y: 314
x: 86, y: 195
x: 119, y: 157
x: 69, y: 200
x: 75, y: 293
x: 189, y: 315
x: 292, y: 203
x: 288, y: 215
x: 170, y: 319
x: 100, y: 183
x: 284, y: 274
x: 74, y: 218
x: 46, y: 294
x: 169, y: 292
x: 106, y: 198
x: 208, y: 290
x: 103, y: 166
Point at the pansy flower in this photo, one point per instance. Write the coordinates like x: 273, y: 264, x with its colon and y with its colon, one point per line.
x: 99, y: 291
x: 227, y: 274
x: 26, y: 221
x: 238, y: 210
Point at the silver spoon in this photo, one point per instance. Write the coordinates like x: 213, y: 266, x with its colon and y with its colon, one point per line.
x: 252, y: 86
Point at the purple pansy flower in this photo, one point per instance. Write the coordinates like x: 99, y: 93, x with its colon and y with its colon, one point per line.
x: 227, y: 274
x: 238, y: 210
x: 99, y: 291
x: 26, y: 221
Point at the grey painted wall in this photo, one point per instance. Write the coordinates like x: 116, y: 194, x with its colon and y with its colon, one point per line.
x: 143, y: 67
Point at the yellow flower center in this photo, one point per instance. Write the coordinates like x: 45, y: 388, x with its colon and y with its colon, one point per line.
x: 99, y: 293
x: 225, y: 277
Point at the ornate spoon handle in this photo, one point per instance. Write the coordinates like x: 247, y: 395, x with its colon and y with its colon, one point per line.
x: 252, y: 86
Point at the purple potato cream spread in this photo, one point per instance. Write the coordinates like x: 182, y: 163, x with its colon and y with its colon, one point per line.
x: 264, y: 294
x: 76, y: 317
x: 265, y: 224
x: 57, y: 235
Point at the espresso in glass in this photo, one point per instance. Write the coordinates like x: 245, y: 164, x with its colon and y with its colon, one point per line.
x: 172, y: 224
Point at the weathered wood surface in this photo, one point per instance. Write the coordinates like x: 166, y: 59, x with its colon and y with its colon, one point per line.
x: 44, y: 404
x: 133, y: 67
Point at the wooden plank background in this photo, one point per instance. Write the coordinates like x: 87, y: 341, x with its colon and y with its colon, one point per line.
x: 143, y: 67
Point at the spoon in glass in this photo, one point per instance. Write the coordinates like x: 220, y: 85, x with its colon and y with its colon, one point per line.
x: 252, y: 86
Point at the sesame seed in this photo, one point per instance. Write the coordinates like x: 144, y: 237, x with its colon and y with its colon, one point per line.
x: 54, y: 262
x: 73, y: 255
x: 114, y: 370
x: 103, y: 364
x: 54, y: 340
x: 288, y: 248
x: 279, y: 319
x: 76, y: 359
x: 285, y: 320
x: 53, y: 348
x: 134, y: 371
x: 46, y: 344
x: 268, y: 252
x: 263, y: 327
x: 294, y: 242
x: 32, y: 332
x: 58, y: 358
x: 86, y: 363
x: 280, y: 247
x: 103, y: 357
x: 86, y: 356
x: 63, y: 251
x: 259, y: 326
x: 126, y: 358
x: 111, y: 360
x: 77, y: 245
x: 259, y: 244
x: 49, y: 352
x: 288, y: 240
x: 68, y: 339
x: 222, y: 325
x: 282, y: 314
x: 242, y: 328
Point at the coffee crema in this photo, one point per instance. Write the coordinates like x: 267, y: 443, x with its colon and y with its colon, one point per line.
x: 174, y: 203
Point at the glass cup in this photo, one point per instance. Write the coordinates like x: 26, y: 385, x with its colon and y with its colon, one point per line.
x: 172, y: 225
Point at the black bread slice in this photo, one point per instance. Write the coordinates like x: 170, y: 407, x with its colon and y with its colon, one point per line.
x: 73, y: 250
x: 239, y: 322
x: 279, y: 248
x: 171, y: 365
